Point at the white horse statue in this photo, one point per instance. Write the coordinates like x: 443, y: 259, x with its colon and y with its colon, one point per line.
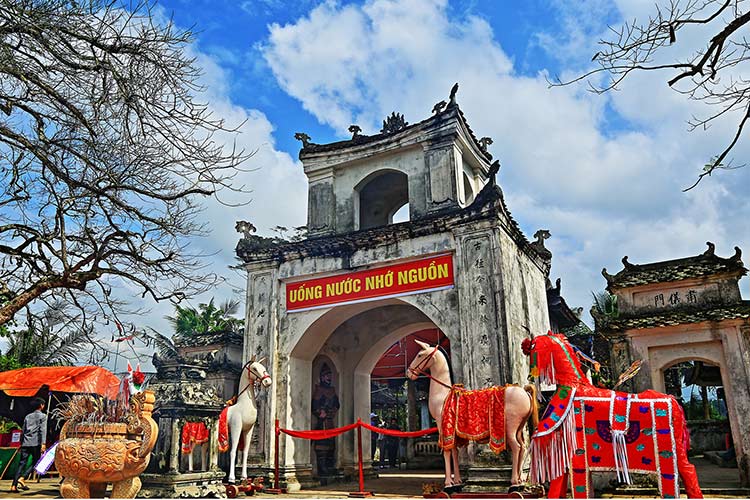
x: 518, y: 403
x: 239, y: 419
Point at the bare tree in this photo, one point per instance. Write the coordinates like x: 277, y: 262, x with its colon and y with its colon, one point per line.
x: 710, y: 74
x: 105, y: 155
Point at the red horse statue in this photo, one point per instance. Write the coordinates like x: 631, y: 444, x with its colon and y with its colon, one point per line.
x: 586, y: 428
x: 495, y: 415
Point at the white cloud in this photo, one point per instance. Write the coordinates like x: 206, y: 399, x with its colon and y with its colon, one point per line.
x: 602, y: 193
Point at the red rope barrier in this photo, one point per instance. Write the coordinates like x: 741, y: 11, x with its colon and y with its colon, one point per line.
x: 403, y: 434
x: 316, y: 435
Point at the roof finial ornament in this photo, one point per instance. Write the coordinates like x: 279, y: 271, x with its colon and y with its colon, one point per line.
x: 607, y: 276
x: 454, y: 90
x: 244, y: 227
x: 355, y: 130
x: 437, y: 108
x: 492, y: 173
x: 484, y: 142
x: 711, y: 249
x: 627, y: 264
x: 558, y: 284
x: 393, y: 123
x: 540, y: 236
x: 737, y: 254
x: 538, y: 245
x: 301, y: 136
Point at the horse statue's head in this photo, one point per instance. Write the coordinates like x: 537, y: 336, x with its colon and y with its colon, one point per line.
x: 422, y: 362
x: 257, y: 373
x: 553, y: 359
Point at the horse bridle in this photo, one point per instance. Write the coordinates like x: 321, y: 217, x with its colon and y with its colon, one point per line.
x: 419, y: 370
x: 257, y: 378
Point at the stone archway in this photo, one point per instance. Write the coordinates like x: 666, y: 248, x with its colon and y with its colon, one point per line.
x: 353, y: 337
x: 662, y: 358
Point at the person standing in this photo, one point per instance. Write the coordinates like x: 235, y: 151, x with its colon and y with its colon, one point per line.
x: 373, y: 436
x: 391, y: 444
x: 33, y: 443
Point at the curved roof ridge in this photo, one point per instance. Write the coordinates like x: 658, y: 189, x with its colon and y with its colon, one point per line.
x: 704, y: 264
x: 441, y: 111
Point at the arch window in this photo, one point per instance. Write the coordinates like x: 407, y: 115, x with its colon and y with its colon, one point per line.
x: 383, y: 199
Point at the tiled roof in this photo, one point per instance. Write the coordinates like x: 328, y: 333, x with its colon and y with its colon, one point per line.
x: 205, y: 339
x: 740, y: 310
x: 558, y: 308
x: 578, y: 330
x: 358, y: 140
x: 705, y: 264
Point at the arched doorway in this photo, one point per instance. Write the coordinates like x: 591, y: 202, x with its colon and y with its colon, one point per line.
x: 352, y: 338
x: 703, y: 389
x: 698, y: 386
x: 396, y: 401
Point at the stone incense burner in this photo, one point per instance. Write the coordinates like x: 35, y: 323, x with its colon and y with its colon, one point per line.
x: 91, y: 455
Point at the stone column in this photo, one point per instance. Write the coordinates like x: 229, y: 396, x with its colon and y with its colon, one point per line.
x: 621, y: 359
x: 213, y: 450
x: 737, y: 354
x: 321, y: 203
x: 260, y: 340
x: 174, y: 450
x: 486, y: 363
x: 441, y: 161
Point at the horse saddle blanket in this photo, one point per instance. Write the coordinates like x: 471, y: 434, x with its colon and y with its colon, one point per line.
x: 193, y: 433
x: 224, y: 427
x: 477, y: 415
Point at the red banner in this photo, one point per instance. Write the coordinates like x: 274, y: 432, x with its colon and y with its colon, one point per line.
x: 417, y: 276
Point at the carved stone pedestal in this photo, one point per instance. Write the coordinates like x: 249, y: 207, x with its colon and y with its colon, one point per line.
x: 184, y: 396
x: 184, y: 485
x: 486, y: 479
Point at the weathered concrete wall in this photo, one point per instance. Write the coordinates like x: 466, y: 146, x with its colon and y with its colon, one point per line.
x: 523, y: 302
x: 659, y: 297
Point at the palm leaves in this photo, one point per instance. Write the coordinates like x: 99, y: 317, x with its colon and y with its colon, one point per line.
x: 207, y: 319
x: 42, y: 343
x: 163, y: 345
x: 605, y: 307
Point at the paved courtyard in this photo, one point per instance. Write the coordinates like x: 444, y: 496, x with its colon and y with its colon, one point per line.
x: 716, y: 483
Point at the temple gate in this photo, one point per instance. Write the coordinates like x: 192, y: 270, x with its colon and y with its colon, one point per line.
x: 687, y: 310
x: 359, y: 282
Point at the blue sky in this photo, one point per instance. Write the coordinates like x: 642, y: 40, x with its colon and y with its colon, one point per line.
x: 603, y: 173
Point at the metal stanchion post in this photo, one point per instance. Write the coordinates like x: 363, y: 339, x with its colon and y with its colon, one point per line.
x: 361, y: 493
x: 276, y: 490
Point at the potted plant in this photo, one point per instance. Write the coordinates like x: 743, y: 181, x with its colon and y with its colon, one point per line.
x: 7, y: 429
x: 105, y: 442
